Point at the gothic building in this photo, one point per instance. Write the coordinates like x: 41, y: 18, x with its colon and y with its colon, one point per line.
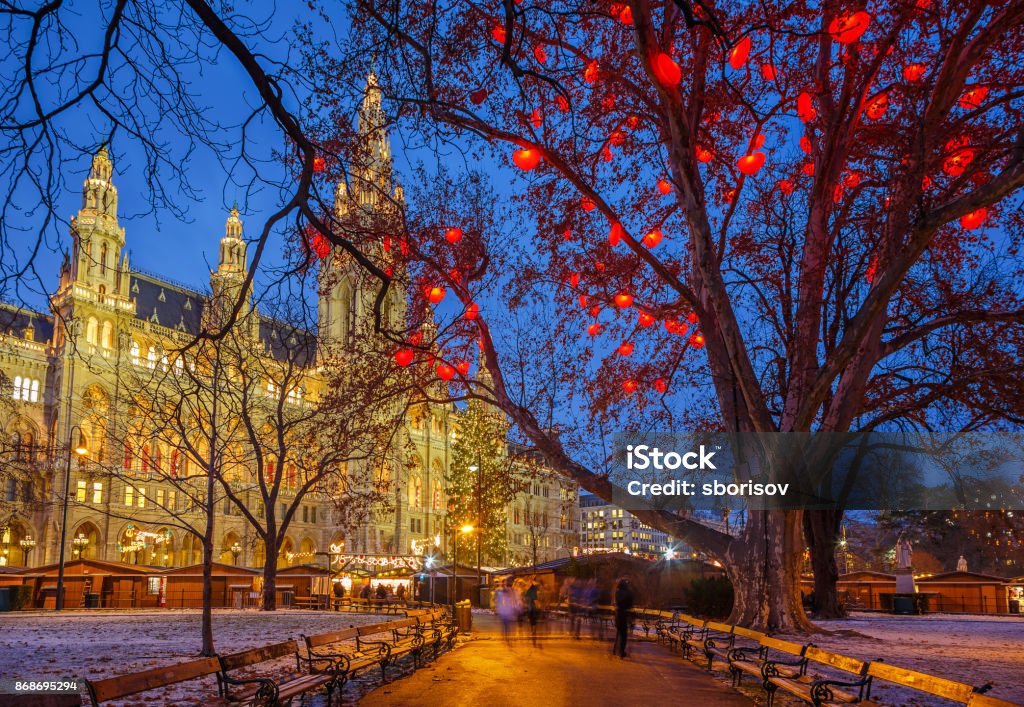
x: 65, y: 372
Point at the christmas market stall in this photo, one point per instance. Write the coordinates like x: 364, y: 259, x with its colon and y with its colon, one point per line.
x: 233, y: 586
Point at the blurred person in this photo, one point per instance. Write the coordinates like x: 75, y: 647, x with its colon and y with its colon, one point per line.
x: 507, y: 606
x: 623, y: 607
x: 531, y: 599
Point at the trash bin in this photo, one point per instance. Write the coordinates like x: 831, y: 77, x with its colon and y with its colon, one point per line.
x: 5, y: 598
x: 485, y: 596
x: 464, y: 616
x: 903, y: 604
x: 1015, y: 606
x: 92, y: 600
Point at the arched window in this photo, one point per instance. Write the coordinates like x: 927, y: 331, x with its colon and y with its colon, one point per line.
x: 291, y: 479
x: 151, y: 357
x: 145, y: 458
x: 34, y: 396
x: 129, y: 457
x: 17, y: 388
x: 107, y: 335
x: 135, y: 353
x: 103, y: 259
x: 92, y: 330
x: 157, y: 457
x: 269, y: 470
x: 175, y: 462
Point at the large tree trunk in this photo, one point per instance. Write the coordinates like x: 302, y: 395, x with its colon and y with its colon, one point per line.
x: 270, y: 575
x: 821, y: 531
x: 207, y: 622
x: 763, y: 566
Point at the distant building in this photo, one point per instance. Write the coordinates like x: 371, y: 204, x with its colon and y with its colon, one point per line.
x: 542, y: 518
x: 608, y: 528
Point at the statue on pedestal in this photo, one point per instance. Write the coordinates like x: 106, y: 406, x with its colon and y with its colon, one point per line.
x: 904, y: 553
x: 961, y: 564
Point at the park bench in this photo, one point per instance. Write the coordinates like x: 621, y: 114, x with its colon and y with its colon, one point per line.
x: 854, y: 688
x: 686, y: 629
x: 940, y: 687
x: 751, y: 660
x: 441, y: 627
x: 719, y: 646
x: 121, y: 686
x: 402, y: 642
x: 667, y: 621
x: 713, y: 639
x: 325, y: 652
x: 267, y: 689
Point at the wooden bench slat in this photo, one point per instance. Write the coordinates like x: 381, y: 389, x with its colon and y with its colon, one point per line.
x: 259, y: 655
x: 842, y: 662
x: 124, y: 685
x: 323, y: 639
x: 931, y: 684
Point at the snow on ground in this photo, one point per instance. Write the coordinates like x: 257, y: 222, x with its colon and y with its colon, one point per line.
x: 98, y: 644
x: 972, y: 649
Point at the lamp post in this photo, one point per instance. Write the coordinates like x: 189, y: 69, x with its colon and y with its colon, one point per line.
x: 236, y: 550
x: 480, y: 522
x: 80, y: 542
x: 28, y: 544
x: 464, y: 530
x: 81, y: 450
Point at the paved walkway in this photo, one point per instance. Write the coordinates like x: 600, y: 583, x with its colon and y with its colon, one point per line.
x: 558, y: 670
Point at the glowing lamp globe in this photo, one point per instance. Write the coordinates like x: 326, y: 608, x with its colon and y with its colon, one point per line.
x: 740, y: 52
x: 660, y: 385
x: 625, y: 349
x: 914, y: 72
x: 849, y: 26
x: 453, y: 235
x: 664, y: 186
x: 697, y: 341
x: 974, y: 219
x: 630, y: 385
x: 526, y: 158
x: 436, y: 294
x: 472, y: 311
x: 462, y: 367
x: 653, y: 238
x: 594, y: 329
x: 666, y: 70
x: 445, y: 372
x: 403, y: 357
x: 751, y: 164
x: 318, y: 164
x: 645, y: 319
x: 623, y: 300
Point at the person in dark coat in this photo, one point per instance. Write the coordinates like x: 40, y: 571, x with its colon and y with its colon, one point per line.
x: 623, y: 606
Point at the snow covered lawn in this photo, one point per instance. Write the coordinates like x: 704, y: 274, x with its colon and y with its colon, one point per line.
x: 971, y: 649
x: 98, y: 644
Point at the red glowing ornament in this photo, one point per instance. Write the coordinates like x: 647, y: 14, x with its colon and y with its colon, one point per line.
x: 666, y: 70
x: 623, y: 300
x: 318, y: 164
x: 805, y: 107
x: 599, y: 265
x: 676, y: 326
x: 462, y: 367
x: 478, y: 96
x: 785, y: 186
x: 626, y: 15
x: 849, y: 26
x: 645, y: 319
x: 877, y: 106
x: 957, y: 163
x: 626, y: 349
x: 594, y: 329
x: 498, y: 32
x: 660, y: 385
x: 697, y: 341
x: 751, y: 164
x: 630, y: 385
x: 808, y: 169
x: 472, y: 312
x: 768, y: 72
x: 403, y: 357
x: 740, y: 52
x: 586, y: 204
x: 563, y: 103
x: 653, y: 238
x: 973, y: 97
x: 574, y: 280
x: 436, y: 294
x: 974, y: 219
x: 851, y: 180
x: 615, y: 234
x: 595, y: 311
x: 540, y: 54
x: 590, y: 73
x: 914, y: 72
x: 536, y: 119
x: 453, y: 235
x: 703, y: 155
x: 445, y: 372
x: 756, y: 142
x: 692, y: 317
x: 805, y: 144
x: 321, y: 246
x: 872, y: 270
x: 606, y: 154
x: 664, y: 186
x: 526, y: 158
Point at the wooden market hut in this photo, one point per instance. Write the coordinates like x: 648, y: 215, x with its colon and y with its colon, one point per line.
x: 304, y: 580
x: 862, y: 589
x: 968, y: 592
x: 233, y: 586
x: 94, y: 583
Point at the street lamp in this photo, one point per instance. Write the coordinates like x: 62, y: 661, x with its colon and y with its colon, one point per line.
x: 236, y: 550
x: 27, y: 543
x: 465, y: 530
x: 479, y: 519
x: 81, y: 450
x: 80, y: 542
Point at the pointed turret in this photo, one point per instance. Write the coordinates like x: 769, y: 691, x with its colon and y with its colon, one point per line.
x: 98, y: 237
x: 375, y: 175
x: 232, y: 268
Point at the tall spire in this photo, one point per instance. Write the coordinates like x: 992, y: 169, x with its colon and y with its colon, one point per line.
x: 99, y: 194
x: 232, y: 247
x: 375, y: 175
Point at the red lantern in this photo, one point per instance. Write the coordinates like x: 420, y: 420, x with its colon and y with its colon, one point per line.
x: 877, y: 106
x: 974, y: 219
x: 445, y: 372
x: 692, y: 317
x: 540, y: 54
x: 808, y: 169
x: 595, y: 311
x: 849, y: 26
x: 526, y: 158
x: 957, y: 163
x: 498, y: 32
x: 703, y: 155
x: 536, y: 119
x: 462, y: 367
x: 805, y: 144
x: 436, y: 294
x: 321, y: 246
x: 768, y: 72
x: 630, y: 385
x: 594, y: 329
x: 697, y: 341
x: 738, y: 55
x: 626, y: 349
x: 756, y: 142
x: 851, y: 180
x: 403, y: 357
x: 914, y: 72
x: 664, y: 186
x: 623, y: 300
x: 587, y: 204
x: 973, y: 97
x: 590, y: 73
x: 472, y: 311
x: 318, y: 164
x: 626, y: 15
x: 615, y: 234
x: 653, y: 238
x: 660, y: 385
x: 583, y: 301
x: 563, y: 103
x: 751, y: 164
x: 785, y: 186
x: 674, y: 326
x: 574, y: 280
x: 666, y: 70
x: 478, y: 96
x: 805, y: 107
x: 453, y: 235
x: 645, y: 319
